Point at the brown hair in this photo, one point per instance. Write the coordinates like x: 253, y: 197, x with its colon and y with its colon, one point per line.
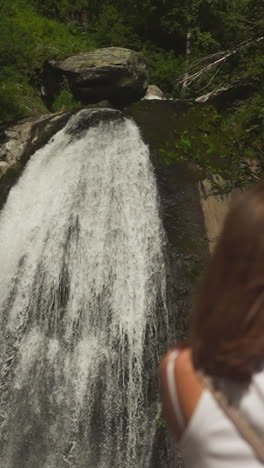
x: 227, y: 337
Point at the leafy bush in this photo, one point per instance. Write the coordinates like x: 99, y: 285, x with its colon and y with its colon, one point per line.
x: 112, y: 29
x: 65, y: 99
x: 228, y: 144
x: 164, y: 69
x: 26, y: 40
x: 18, y: 100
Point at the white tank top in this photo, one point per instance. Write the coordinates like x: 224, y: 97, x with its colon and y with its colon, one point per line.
x: 210, y: 439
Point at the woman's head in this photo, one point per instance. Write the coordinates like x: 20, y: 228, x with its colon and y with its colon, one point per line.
x: 228, y: 323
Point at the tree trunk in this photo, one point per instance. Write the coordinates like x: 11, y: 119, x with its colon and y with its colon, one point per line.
x: 187, y: 61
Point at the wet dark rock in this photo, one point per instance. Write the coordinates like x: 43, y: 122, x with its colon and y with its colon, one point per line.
x: 90, y: 118
x: 180, y: 206
x: 186, y: 250
x: 225, y: 97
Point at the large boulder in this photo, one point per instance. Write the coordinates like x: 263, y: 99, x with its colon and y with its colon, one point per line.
x: 116, y: 74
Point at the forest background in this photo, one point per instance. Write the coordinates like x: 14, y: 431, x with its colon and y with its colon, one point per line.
x: 191, y: 47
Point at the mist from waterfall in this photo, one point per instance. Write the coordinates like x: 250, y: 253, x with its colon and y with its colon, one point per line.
x: 82, y: 283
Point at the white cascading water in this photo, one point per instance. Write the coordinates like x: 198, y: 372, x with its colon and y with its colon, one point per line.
x: 82, y: 276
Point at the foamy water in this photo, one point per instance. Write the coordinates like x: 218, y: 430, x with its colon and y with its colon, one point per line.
x: 82, y: 278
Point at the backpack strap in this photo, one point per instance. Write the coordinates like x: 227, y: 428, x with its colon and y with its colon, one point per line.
x: 173, y: 390
x: 244, y: 428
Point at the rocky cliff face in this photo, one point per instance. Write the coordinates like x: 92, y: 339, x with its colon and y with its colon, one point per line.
x: 192, y: 217
x: 181, y: 208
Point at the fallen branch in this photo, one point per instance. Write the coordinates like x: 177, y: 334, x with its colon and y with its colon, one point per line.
x: 212, y: 61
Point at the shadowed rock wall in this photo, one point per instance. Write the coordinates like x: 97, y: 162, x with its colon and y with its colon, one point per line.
x: 187, y: 246
x: 181, y: 211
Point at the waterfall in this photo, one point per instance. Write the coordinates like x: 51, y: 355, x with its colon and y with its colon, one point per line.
x: 82, y: 287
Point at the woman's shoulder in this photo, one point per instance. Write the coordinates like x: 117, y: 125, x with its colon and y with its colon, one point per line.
x: 180, y: 389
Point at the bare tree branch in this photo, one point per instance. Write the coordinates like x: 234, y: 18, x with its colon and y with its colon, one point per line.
x: 206, y: 65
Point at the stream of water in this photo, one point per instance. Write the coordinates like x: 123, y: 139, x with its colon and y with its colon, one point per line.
x: 82, y: 282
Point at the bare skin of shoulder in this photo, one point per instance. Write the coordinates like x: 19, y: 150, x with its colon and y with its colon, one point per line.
x: 189, y: 390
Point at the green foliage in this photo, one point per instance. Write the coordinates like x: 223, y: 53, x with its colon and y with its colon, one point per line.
x: 223, y: 145
x: 112, y: 29
x: 202, y: 42
x: 26, y: 40
x: 67, y: 10
x: 62, y: 10
x: 164, y: 68
x: 18, y: 100
x: 160, y: 421
x: 65, y: 100
x: 173, y: 36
